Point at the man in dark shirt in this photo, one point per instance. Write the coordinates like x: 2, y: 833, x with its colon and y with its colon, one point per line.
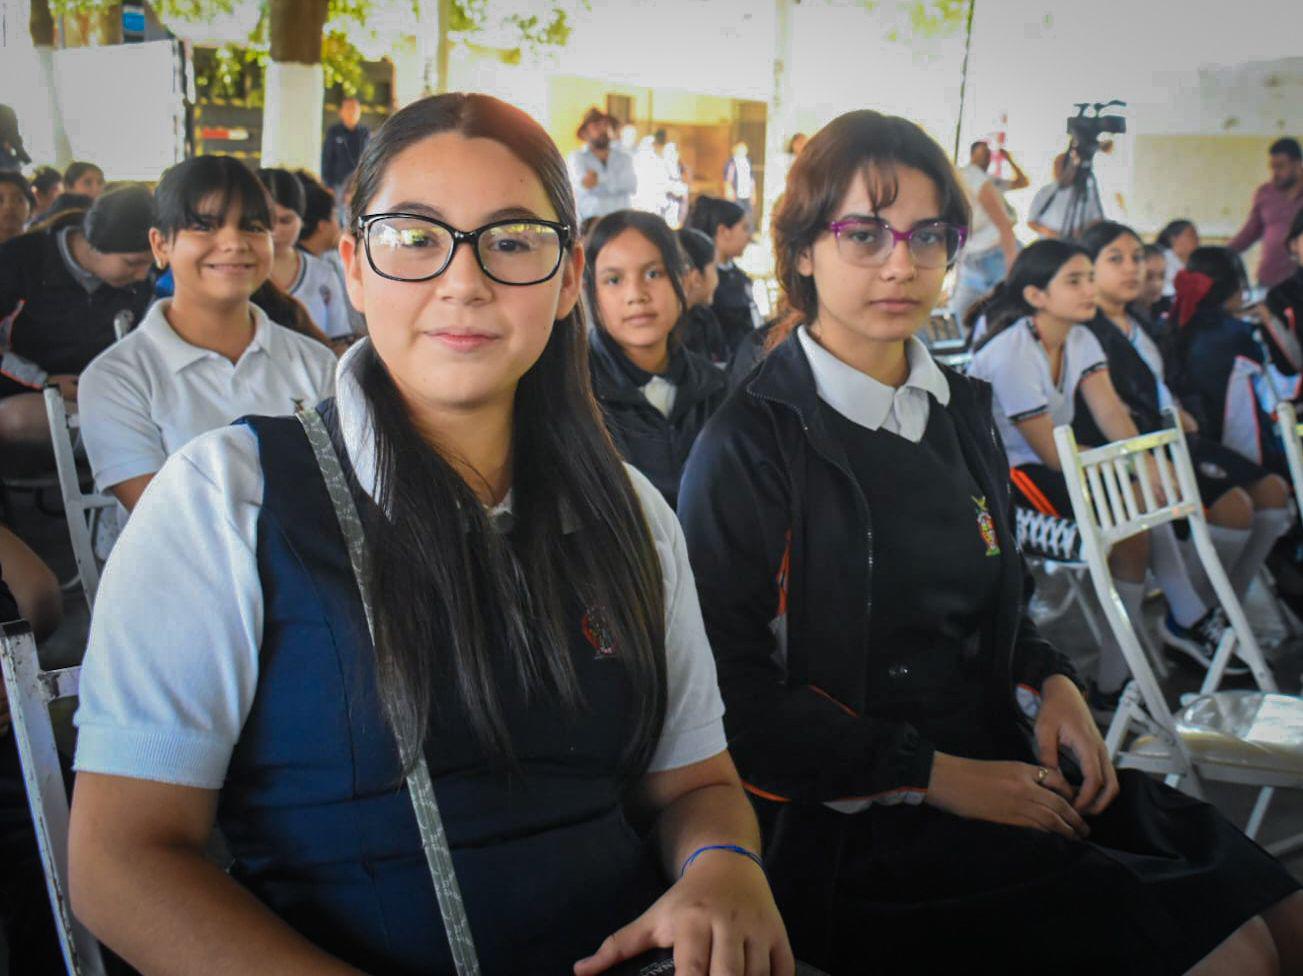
x: 342, y: 149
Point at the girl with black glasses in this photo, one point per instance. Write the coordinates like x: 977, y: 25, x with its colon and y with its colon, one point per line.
x: 537, y: 648
x: 935, y: 794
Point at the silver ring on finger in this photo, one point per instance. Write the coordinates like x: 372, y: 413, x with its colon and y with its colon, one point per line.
x: 1042, y: 774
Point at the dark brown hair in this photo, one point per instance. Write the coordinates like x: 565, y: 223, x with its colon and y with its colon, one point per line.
x: 458, y: 601
x: 857, y: 142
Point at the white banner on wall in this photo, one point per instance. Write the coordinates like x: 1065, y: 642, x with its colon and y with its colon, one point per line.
x: 123, y: 107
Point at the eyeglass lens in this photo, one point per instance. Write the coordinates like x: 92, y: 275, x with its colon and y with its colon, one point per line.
x: 411, y: 249
x: 870, y: 242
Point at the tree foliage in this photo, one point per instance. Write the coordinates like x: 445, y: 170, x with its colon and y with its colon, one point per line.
x: 921, y: 19
x: 235, y: 70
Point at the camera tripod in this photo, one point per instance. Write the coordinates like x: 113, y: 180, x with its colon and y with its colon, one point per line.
x: 1081, y: 192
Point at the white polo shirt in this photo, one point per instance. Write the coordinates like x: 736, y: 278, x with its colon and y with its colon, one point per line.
x: 172, y: 665
x: 145, y: 397
x: 321, y: 291
x: 1016, y: 366
x: 863, y: 400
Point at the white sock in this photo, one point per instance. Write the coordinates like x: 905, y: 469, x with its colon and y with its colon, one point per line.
x: 1269, y: 524
x: 1173, y: 578
x: 1113, y: 672
x: 1228, y: 542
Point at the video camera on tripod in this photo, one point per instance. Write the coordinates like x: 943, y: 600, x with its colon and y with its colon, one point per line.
x: 1082, y: 206
x: 1086, y: 129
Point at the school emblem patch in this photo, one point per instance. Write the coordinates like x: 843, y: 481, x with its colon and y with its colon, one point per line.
x: 986, y: 526
x: 598, y: 634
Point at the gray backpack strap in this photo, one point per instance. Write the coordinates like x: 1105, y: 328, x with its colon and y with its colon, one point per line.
x: 433, y: 839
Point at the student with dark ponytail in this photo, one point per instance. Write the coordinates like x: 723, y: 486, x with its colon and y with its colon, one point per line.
x: 727, y: 224
x: 295, y: 271
x: 701, y: 330
x: 1041, y: 361
x: 655, y: 395
x: 1247, y: 506
x: 538, y: 645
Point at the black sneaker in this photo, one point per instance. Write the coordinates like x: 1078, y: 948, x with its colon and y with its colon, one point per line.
x: 1199, y: 641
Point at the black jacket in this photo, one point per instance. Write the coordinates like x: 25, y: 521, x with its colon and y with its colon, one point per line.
x: 61, y: 327
x: 734, y: 306
x: 654, y: 444
x: 701, y: 332
x: 340, y: 152
x: 781, y: 541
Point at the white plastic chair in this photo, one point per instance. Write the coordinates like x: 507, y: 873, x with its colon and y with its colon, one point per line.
x: 82, y: 511
x: 31, y: 691
x: 1248, y: 737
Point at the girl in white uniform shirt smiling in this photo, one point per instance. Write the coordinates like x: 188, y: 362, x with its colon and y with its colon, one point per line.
x: 208, y: 355
x: 538, y: 639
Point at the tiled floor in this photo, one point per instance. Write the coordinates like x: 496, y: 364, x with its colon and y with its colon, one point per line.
x: 48, y: 536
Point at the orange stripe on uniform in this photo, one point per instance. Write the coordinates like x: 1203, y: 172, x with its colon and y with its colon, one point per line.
x: 757, y: 791
x: 1028, y: 489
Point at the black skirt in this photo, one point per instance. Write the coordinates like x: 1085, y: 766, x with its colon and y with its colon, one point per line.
x: 1161, y: 882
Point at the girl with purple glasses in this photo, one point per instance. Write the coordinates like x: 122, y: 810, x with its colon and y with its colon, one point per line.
x: 931, y: 785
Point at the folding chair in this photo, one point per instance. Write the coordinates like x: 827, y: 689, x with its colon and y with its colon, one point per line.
x: 82, y: 511
x: 1248, y: 737
x: 1052, y: 548
x: 31, y: 691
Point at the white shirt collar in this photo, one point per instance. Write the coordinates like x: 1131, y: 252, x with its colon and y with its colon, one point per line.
x: 859, y: 397
x: 177, y: 353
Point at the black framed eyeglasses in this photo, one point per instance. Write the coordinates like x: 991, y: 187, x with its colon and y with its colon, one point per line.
x: 414, y: 247
x: 869, y: 241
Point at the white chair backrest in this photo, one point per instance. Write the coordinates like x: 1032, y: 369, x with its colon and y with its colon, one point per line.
x: 80, y: 509
x: 1115, y: 495
x: 1287, y: 426
x: 31, y: 691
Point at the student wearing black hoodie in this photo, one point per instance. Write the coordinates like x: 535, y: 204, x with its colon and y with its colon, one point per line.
x: 655, y: 394
x: 912, y: 743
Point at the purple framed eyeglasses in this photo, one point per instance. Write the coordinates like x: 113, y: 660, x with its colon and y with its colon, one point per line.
x: 868, y: 241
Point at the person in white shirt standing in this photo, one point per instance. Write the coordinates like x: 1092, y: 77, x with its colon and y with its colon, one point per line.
x: 602, y: 174
x: 991, y: 246
x: 207, y: 356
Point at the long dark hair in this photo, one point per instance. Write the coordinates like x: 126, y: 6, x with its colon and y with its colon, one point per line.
x: 650, y: 226
x: 709, y: 214
x: 452, y: 596
x: 1173, y: 230
x: 1036, y: 266
x: 285, y: 188
x: 819, y: 178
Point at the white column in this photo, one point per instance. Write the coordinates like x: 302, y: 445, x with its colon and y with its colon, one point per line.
x: 408, y: 57
x: 291, y: 116
x: 49, y: 119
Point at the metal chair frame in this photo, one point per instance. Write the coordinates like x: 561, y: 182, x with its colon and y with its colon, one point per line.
x: 31, y: 691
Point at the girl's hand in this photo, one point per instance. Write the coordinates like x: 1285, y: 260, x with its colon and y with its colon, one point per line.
x: 1012, y: 793
x: 1188, y: 423
x: 1065, y: 722
x: 720, y: 919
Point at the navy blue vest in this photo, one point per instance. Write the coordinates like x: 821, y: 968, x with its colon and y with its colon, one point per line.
x: 315, y: 810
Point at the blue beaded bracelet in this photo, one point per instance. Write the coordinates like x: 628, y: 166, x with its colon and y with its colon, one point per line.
x: 750, y: 855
